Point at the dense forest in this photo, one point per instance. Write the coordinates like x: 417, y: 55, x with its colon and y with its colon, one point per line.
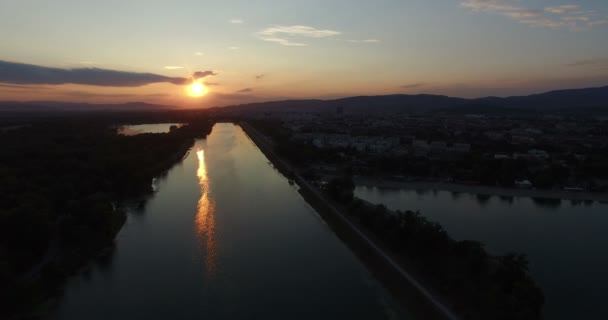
x: 64, y: 183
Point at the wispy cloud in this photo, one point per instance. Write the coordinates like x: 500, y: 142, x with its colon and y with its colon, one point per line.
x: 236, y: 21
x: 566, y: 8
x: 284, y: 42
x: 598, y: 23
x: 246, y: 90
x: 364, y: 41
x: 12, y: 86
x: 203, y: 74
x: 24, y: 74
x: 284, y: 34
x: 86, y: 94
x: 412, y: 85
x: 589, y: 62
x: 567, y: 15
x: 173, y: 67
x: 259, y: 76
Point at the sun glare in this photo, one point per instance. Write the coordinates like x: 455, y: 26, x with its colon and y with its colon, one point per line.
x: 197, y: 89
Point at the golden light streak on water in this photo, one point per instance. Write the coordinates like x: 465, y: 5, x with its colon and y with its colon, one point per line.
x: 205, y: 216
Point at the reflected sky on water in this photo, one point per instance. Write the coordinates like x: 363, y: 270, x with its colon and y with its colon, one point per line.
x: 226, y: 237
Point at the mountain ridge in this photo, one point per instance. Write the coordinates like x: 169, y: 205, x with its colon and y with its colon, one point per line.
x: 592, y: 100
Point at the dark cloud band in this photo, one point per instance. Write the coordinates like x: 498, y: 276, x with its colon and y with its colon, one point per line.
x: 21, y: 73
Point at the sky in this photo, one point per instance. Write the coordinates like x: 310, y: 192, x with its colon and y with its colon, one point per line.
x: 245, y: 51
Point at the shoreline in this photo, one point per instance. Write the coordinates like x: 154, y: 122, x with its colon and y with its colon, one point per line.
x: 479, y: 190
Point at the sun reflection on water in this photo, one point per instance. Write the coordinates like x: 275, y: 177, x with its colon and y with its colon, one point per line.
x: 205, y: 216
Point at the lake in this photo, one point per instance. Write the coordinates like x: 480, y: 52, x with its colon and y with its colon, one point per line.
x: 226, y: 237
x: 564, y: 239
x: 132, y: 130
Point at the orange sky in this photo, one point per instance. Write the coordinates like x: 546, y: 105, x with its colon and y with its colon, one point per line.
x: 294, y: 49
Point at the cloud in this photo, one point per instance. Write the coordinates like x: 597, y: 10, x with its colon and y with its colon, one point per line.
x: 598, y: 23
x: 589, y: 62
x: 86, y: 94
x: 284, y: 34
x: 236, y: 21
x: 212, y: 84
x: 173, y: 67
x: 21, y: 73
x: 501, y: 7
x: 284, y: 42
x: 364, y: 41
x: 260, y: 76
x: 12, y: 86
x: 246, y: 90
x: 567, y: 8
x: 567, y: 15
x: 412, y: 85
x: 305, y: 31
x: 202, y: 74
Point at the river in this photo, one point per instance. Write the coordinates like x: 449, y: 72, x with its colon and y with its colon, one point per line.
x: 226, y: 236
x: 564, y: 239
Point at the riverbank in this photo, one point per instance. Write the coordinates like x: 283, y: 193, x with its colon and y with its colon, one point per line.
x: 405, y: 286
x: 481, y: 190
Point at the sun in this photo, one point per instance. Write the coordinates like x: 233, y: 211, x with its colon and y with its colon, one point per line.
x: 197, y: 89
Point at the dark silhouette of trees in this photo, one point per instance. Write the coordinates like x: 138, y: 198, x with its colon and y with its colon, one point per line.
x: 341, y: 189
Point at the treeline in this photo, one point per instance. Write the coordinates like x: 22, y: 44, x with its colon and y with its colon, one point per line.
x: 479, y: 285
x: 63, y: 183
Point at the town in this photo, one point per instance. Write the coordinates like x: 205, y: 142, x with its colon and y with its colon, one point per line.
x: 548, y: 152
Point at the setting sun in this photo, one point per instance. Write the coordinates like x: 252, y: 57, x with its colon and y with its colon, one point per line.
x: 197, y: 89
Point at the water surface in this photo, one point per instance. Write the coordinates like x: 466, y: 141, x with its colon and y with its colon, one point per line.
x: 565, y: 240
x: 226, y: 237
x: 133, y: 130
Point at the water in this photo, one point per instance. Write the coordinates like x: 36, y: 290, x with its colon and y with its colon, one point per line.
x: 226, y: 237
x: 564, y: 240
x: 133, y: 130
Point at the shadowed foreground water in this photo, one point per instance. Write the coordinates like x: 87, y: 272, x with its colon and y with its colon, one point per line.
x: 226, y: 237
x: 564, y: 240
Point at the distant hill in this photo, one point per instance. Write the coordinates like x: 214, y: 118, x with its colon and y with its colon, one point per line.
x: 583, y: 101
x: 48, y: 106
x: 360, y: 104
x: 591, y: 100
x: 554, y: 100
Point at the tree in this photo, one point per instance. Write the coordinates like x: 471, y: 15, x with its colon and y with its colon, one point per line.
x: 341, y: 189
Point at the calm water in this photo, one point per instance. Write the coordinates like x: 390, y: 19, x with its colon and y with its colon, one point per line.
x: 564, y: 240
x: 133, y: 130
x: 226, y: 237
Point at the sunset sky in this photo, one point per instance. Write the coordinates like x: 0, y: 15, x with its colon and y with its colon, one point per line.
x: 248, y: 51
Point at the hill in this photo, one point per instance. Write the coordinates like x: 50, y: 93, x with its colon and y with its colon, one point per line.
x: 590, y: 100
x: 574, y: 101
